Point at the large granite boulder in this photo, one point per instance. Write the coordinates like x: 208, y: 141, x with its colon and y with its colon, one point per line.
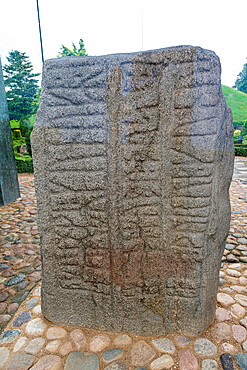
x: 133, y: 157
x: 9, y: 187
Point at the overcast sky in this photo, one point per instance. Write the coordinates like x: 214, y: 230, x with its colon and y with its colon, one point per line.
x: 119, y: 26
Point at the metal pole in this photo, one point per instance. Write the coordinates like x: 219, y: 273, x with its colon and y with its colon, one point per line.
x: 42, y: 54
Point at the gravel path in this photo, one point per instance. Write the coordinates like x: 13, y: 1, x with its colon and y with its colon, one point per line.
x: 29, y: 341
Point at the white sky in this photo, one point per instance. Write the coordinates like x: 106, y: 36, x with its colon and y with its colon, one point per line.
x: 114, y: 26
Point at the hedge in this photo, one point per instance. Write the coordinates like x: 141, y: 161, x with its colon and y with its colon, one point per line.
x: 24, y: 166
x: 241, y: 151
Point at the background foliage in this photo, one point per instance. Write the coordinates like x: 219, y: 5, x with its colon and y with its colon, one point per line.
x: 66, y: 52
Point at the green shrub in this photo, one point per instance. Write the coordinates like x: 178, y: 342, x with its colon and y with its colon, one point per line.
x: 24, y: 163
x: 241, y: 151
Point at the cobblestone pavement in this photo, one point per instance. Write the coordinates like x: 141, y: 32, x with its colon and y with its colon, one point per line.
x: 29, y: 341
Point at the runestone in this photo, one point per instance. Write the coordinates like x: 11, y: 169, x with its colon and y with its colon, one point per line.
x: 133, y: 157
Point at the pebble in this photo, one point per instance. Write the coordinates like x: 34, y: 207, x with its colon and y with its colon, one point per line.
x: 4, y: 355
x: 22, y: 318
x: 55, y: 332
x: 225, y: 299
x: 243, y: 280
x: 204, y: 347
x: 122, y: 340
x: 235, y: 266
x: 12, y: 308
x: 221, y: 332
x: 243, y: 259
x: 9, y: 335
x: 226, y: 361
x: 163, y: 362
x: 3, y: 266
x: 99, y: 342
x: 35, y: 276
x: 36, y: 327
x: 241, y: 359
x: 187, y: 360
x: 164, y: 345
x: 79, y: 338
x: 242, y: 241
x: 233, y: 273
x: 37, y: 309
x: 4, y: 318
x: 20, y: 361
x: 48, y: 362
x: 229, y: 247
x: 222, y: 314
x: 239, y: 289
x: 22, y: 286
x: 66, y: 348
x: 141, y: 353
x: 227, y: 347
x: 15, y: 280
x: 183, y: 341
x: 237, y: 311
x: 37, y: 292
x: 119, y: 365
x: 112, y: 355
x: 82, y: 360
x: 20, y: 343
x: 231, y: 258
x: 35, y: 346
x: 31, y: 303
x: 239, y: 333
x: 241, y: 248
x: 242, y: 299
x: 3, y: 296
x: 53, y: 346
x: 209, y: 364
x: 244, y: 345
x: 244, y: 322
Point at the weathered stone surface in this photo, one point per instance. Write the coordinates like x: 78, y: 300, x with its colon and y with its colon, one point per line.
x: 141, y: 353
x: 79, y: 338
x: 82, y: 360
x: 20, y: 361
x: 209, y: 364
x: 36, y: 327
x: 9, y: 335
x: 163, y: 362
x: 241, y: 359
x: 187, y: 360
x: 112, y: 354
x: 4, y: 355
x: 35, y: 345
x: 99, y: 342
x: 9, y: 187
x: 49, y: 362
x: 133, y: 158
x: 55, y: 332
x: 164, y: 345
x: 204, y: 347
x: 122, y: 340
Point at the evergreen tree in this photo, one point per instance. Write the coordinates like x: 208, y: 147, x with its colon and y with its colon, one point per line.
x: 241, y: 82
x: 66, y: 52
x: 21, y: 86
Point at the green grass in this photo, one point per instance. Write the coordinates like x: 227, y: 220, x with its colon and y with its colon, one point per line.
x: 237, y: 101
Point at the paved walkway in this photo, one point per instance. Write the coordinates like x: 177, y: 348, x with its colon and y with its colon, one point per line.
x: 29, y: 341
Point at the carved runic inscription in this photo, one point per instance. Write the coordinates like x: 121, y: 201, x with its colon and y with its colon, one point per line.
x: 133, y: 159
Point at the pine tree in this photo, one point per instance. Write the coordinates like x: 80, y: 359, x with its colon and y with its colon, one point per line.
x: 66, y: 52
x: 21, y: 86
x: 241, y: 82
